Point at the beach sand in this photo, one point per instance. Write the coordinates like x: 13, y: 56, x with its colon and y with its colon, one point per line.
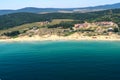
x: 58, y: 38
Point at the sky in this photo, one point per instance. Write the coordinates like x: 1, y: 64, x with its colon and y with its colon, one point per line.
x: 17, y: 4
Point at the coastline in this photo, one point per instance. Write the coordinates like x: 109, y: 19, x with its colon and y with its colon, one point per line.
x: 73, y: 37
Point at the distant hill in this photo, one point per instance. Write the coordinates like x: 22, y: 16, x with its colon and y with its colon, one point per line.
x: 3, y: 12
x: 62, y: 10
x: 109, y: 6
x: 34, y: 10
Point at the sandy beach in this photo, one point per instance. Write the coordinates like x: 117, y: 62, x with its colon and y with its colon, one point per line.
x: 58, y: 38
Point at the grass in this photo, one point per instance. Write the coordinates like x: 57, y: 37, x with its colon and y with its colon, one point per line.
x: 69, y: 33
x: 21, y: 27
x: 57, y: 21
x: 24, y: 27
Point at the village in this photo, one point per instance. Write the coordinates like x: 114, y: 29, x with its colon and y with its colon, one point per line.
x: 105, y: 28
x: 98, y: 28
x: 85, y: 29
x: 109, y: 26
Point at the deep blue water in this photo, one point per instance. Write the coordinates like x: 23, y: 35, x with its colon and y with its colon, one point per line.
x: 60, y: 60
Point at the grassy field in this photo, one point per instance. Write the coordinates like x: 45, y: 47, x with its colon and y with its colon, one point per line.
x: 21, y: 27
x: 57, y: 21
x: 30, y: 25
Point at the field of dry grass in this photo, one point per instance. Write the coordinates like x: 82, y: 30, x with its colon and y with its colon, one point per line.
x: 30, y: 25
x: 57, y: 21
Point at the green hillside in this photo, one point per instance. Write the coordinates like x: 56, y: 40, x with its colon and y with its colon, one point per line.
x: 16, y: 19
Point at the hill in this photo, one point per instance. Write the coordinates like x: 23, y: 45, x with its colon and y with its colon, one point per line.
x: 16, y: 19
x: 62, y: 10
x: 108, y: 6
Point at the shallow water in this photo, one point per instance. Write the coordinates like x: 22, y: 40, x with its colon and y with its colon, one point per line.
x: 73, y: 60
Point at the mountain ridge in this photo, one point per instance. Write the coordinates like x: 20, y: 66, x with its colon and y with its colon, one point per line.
x: 81, y: 10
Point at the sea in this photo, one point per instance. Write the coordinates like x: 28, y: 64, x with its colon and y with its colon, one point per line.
x: 60, y: 60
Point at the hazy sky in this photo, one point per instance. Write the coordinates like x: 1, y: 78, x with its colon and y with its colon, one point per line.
x: 16, y: 4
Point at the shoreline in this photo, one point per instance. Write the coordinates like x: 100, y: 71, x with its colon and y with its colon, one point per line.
x: 74, y: 37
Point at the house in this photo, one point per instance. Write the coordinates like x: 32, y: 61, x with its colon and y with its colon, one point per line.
x: 35, y: 28
x: 79, y: 26
x: 105, y: 23
x: 110, y: 30
x: 44, y: 23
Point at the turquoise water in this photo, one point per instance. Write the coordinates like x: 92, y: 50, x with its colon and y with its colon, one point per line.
x: 60, y: 60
